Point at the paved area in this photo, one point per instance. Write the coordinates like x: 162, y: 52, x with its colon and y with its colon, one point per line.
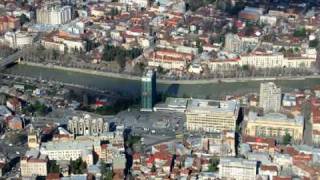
x: 160, y: 123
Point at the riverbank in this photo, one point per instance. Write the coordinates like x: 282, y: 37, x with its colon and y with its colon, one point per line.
x: 133, y: 87
x: 163, y: 81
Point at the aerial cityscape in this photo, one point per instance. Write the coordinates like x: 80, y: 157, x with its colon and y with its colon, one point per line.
x: 160, y: 89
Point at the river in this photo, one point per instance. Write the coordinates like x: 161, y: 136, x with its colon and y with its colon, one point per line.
x: 132, y: 87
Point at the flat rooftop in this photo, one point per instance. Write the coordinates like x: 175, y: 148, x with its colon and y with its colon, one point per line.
x: 212, y: 105
x: 232, y: 161
x: 177, y: 102
x: 72, y: 145
x: 275, y: 117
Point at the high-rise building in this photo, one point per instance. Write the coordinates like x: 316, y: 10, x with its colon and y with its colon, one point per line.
x: 233, y: 43
x: 270, y: 97
x: 86, y: 125
x: 148, y: 91
x: 211, y: 116
x: 236, y: 168
x: 54, y: 14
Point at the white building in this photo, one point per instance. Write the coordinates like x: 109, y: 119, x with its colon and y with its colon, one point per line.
x: 66, y: 150
x: 139, y: 3
x: 267, y: 19
x: 18, y: 39
x: 236, y: 168
x: 270, y: 97
x: 211, y: 116
x: 54, y: 15
x: 86, y: 125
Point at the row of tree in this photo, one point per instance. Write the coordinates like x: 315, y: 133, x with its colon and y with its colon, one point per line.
x: 120, y: 54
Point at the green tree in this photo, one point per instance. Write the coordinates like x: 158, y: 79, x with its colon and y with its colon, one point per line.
x: 53, y: 167
x: 199, y: 46
x: 300, y: 32
x: 23, y: 19
x: 153, y: 168
x: 314, y: 43
x: 106, y: 172
x: 214, y: 162
x: 78, y: 166
x: 119, y: 54
x: 286, y: 139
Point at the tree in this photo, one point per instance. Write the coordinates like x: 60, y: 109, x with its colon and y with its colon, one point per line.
x: 199, y: 46
x: 300, y: 32
x: 153, y: 168
x: 119, y: 54
x: 214, y: 162
x: 53, y: 167
x: 314, y: 43
x: 286, y: 139
x: 106, y: 172
x: 78, y: 166
x: 24, y: 19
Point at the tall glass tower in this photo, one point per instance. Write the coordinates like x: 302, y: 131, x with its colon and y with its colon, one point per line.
x: 148, y: 91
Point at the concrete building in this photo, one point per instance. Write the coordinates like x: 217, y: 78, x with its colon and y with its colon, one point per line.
x: 8, y: 23
x: 236, y: 168
x: 18, y: 39
x: 54, y: 14
x: 33, y: 139
x: 86, y: 125
x: 34, y: 164
x: 211, y: 115
x: 66, y: 150
x: 270, y: 97
x: 275, y: 125
x: 233, y: 43
x: 139, y: 3
x: 172, y: 105
x: 148, y: 91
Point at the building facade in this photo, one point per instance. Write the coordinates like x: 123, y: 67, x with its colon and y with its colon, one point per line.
x: 233, y: 43
x: 66, y: 150
x: 34, y: 164
x: 54, y: 15
x: 148, y: 91
x: 270, y: 97
x: 211, y: 116
x: 86, y: 125
x: 236, y: 168
x: 275, y: 125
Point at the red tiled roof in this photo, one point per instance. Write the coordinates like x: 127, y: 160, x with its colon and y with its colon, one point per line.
x: 53, y: 176
x: 282, y: 178
x: 269, y: 168
x: 259, y: 140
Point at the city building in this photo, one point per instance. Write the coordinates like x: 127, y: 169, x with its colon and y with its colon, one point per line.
x: 233, y: 43
x: 315, y: 120
x: 18, y: 39
x: 236, y: 168
x: 66, y: 150
x: 86, y: 125
x: 54, y: 14
x: 34, y: 164
x: 169, y: 59
x: 139, y: 3
x: 275, y: 125
x: 211, y: 115
x: 148, y: 91
x: 270, y: 97
x: 33, y: 139
x: 172, y: 105
x: 8, y: 23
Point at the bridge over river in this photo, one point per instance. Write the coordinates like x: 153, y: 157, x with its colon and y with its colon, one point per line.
x: 4, y: 62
